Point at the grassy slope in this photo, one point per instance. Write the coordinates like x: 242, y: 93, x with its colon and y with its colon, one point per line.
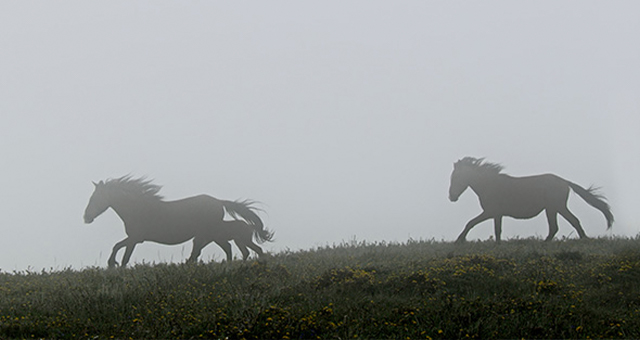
x: 518, y: 289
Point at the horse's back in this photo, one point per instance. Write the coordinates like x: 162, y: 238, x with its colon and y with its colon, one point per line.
x: 203, y: 198
x: 196, y: 208
x: 543, y: 182
x: 525, y: 197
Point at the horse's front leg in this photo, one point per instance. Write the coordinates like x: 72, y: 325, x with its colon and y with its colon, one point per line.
x: 112, y: 259
x: 480, y: 218
x: 198, y: 244
x: 127, y: 253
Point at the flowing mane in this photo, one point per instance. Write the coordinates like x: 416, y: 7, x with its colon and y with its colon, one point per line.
x: 138, y: 186
x: 480, y: 164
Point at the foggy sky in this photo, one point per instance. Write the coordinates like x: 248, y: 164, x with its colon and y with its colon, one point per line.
x: 344, y: 119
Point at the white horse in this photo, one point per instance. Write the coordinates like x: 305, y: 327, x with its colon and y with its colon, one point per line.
x: 147, y: 217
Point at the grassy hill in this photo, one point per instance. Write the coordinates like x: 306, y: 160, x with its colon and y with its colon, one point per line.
x: 421, y: 289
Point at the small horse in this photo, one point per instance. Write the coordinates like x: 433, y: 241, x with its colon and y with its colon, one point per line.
x: 241, y: 233
x: 147, y: 217
x: 519, y: 197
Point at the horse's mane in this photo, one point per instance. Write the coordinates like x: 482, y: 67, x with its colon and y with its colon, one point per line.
x: 480, y: 164
x: 137, y: 186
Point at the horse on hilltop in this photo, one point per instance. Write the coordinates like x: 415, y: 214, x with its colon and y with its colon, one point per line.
x: 519, y: 197
x: 148, y: 217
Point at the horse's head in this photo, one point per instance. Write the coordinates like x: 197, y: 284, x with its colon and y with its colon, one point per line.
x: 459, y: 180
x: 98, y: 202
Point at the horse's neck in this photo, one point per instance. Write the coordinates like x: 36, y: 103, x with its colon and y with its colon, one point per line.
x: 483, y: 182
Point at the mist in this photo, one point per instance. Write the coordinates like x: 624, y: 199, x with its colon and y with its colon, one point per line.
x: 343, y: 119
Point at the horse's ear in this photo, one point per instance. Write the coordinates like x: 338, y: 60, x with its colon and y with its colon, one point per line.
x: 94, y: 184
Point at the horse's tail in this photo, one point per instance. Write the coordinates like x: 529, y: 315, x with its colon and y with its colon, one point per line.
x: 595, y: 199
x: 246, y: 210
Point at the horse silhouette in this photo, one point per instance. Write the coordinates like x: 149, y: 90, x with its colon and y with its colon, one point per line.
x: 519, y: 197
x: 242, y: 234
x: 148, y: 217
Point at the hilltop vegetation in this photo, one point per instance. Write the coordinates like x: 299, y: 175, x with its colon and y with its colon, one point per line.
x: 421, y: 289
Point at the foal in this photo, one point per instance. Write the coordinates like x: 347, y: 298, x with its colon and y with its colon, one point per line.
x: 241, y: 233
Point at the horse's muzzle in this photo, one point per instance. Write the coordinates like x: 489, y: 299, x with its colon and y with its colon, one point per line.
x: 453, y: 199
x: 88, y: 220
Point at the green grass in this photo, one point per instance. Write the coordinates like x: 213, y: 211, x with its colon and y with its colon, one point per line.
x: 421, y: 289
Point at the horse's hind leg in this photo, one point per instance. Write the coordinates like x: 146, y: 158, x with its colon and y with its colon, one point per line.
x: 256, y: 248
x: 552, y: 218
x: 498, y: 227
x: 574, y: 221
x: 226, y: 246
x: 243, y: 249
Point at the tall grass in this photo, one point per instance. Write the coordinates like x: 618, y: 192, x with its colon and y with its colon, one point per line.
x: 420, y: 289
